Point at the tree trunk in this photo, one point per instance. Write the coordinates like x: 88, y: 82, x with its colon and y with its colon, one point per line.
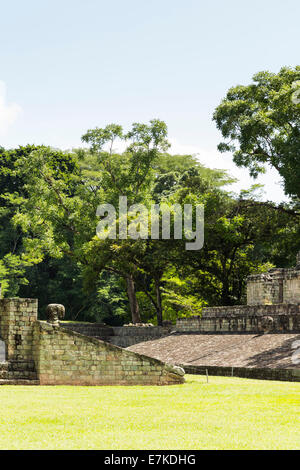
x: 159, y: 305
x: 134, y: 306
x: 225, y: 296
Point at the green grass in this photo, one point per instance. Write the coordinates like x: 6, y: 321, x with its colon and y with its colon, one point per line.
x: 226, y: 413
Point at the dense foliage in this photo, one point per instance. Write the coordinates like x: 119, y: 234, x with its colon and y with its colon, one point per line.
x: 48, y: 243
x: 261, y: 125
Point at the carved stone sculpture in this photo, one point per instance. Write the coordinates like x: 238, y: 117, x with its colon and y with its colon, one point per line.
x: 55, y: 312
x: 266, y: 324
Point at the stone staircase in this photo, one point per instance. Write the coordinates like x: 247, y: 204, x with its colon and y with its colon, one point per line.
x: 18, y: 373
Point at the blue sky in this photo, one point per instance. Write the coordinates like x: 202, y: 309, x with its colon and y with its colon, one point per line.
x: 66, y: 66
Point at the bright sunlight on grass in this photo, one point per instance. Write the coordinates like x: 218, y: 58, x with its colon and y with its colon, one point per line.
x: 226, y: 413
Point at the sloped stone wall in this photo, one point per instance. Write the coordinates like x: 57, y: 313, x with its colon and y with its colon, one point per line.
x: 54, y: 355
x: 65, y: 357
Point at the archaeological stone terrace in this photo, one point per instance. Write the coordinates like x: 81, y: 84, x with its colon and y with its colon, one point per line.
x: 41, y: 353
x: 273, y: 306
x: 259, y: 340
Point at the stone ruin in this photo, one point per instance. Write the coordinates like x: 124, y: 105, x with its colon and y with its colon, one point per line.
x: 45, y: 353
x: 51, y: 353
x: 273, y: 306
x: 260, y: 340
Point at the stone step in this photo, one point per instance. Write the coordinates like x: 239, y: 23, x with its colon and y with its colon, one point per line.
x: 17, y: 370
x: 18, y: 382
x: 3, y: 370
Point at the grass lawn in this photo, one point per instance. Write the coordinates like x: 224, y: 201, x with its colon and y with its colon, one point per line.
x: 226, y: 413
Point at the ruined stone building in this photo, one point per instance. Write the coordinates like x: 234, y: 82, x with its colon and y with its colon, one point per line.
x: 273, y: 305
x: 256, y: 340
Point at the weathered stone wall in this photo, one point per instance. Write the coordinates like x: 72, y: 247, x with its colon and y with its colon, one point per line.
x: 16, y: 319
x: 54, y: 355
x: 273, y: 305
x: 2, y: 351
x: 276, y: 286
x: 94, y: 330
x: 243, y: 319
x: 291, y: 287
x: 65, y: 357
x: 18, y: 370
x: 123, y: 336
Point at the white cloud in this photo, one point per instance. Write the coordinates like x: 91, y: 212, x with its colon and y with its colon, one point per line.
x: 8, y: 112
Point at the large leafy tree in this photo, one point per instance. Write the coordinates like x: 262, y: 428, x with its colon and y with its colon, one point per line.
x: 58, y: 214
x: 130, y: 174
x: 145, y: 263
x: 14, y: 260
x: 49, y: 201
x: 24, y: 270
x: 260, y: 124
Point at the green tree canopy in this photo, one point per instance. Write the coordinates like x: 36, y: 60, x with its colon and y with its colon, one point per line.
x: 260, y: 123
